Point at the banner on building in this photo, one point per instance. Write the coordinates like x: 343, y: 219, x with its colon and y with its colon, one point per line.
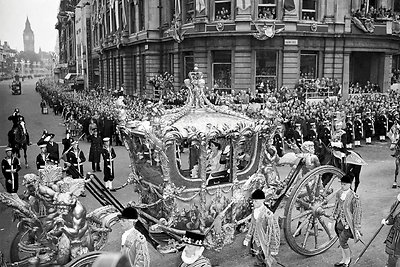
x: 200, y: 5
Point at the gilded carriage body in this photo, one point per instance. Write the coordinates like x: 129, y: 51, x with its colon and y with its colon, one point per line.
x: 176, y: 176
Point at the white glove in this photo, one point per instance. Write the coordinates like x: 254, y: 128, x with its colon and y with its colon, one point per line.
x: 245, y: 243
x: 384, y: 222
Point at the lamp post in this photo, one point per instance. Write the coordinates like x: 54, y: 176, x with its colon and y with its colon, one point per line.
x: 15, y: 65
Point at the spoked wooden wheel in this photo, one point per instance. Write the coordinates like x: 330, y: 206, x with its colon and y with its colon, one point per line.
x: 85, y: 260
x: 307, y: 226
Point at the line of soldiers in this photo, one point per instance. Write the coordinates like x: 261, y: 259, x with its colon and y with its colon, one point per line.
x: 73, y: 157
x: 353, y: 130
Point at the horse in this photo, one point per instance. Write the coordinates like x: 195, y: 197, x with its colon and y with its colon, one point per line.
x: 18, y: 139
x: 350, y: 165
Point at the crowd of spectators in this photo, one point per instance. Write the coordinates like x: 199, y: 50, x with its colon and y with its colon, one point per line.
x: 356, y: 88
x: 323, y: 87
x: 375, y: 13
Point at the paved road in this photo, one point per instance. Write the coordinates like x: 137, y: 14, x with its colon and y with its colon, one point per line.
x: 375, y: 192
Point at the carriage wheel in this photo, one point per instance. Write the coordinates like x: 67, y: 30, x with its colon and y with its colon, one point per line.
x: 18, y: 252
x: 85, y: 260
x: 307, y: 225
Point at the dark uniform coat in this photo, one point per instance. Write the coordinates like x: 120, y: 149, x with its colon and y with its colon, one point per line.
x: 368, y: 127
x: 381, y: 125
x: 11, y: 177
x: 358, y: 129
x: 349, y: 132
x: 298, y: 137
x: 325, y: 135
x: 72, y: 157
x: 96, y: 148
x: 41, y: 160
x: 108, y: 156
x: 312, y: 135
x: 54, y: 153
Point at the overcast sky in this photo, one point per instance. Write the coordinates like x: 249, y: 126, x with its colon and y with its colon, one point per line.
x: 42, y: 15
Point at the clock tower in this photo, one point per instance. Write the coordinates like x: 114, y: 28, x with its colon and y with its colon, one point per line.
x: 29, y: 37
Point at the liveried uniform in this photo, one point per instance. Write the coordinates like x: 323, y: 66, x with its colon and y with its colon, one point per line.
x: 368, y: 129
x: 108, y: 156
x: 200, y: 262
x: 10, y: 168
x: 349, y: 134
x: 134, y: 246
x: 76, y: 158
x: 358, y: 131
x: 381, y: 126
x: 41, y: 160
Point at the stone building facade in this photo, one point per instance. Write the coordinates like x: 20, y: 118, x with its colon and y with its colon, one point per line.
x: 244, y: 44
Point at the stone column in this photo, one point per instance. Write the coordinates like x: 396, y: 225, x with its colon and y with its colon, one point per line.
x: 346, y: 75
x: 243, y: 16
x: 329, y: 11
x: 387, y: 73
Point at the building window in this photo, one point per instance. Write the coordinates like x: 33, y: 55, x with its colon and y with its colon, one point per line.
x: 188, y: 64
x: 308, y: 65
x: 267, y: 9
x: 132, y: 18
x: 189, y: 11
x: 223, y: 10
x: 266, y: 65
x: 222, y: 70
x: 309, y: 10
x: 134, y: 65
x: 141, y: 16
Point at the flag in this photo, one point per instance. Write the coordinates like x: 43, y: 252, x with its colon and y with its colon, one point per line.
x: 289, y: 5
x: 200, y: 5
x: 243, y: 4
x: 116, y: 14
x: 177, y: 8
x: 124, y: 18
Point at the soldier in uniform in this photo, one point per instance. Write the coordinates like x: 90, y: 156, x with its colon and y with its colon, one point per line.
x: 192, y: 254
x: 133, y: 242
x: 52, y: 149
x: 10, y: 166
x: 368, y: 127
x: 108, y: 158
x: 42, y: 158
x: 349, y: 132
x: 312, y: 134
x: 358, y: 130
x: 325, y: 133
x: 278, y: 141
x: 382, y: 126
x: 298, y: 135
x: 347, y: 216
x: 67, y: 142
x: 75, y: 157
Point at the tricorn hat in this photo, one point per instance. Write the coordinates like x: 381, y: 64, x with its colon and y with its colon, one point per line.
x: 258, y: 194
x: 129, y: 213
x: 347, y: 178
x: 192, y: 238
